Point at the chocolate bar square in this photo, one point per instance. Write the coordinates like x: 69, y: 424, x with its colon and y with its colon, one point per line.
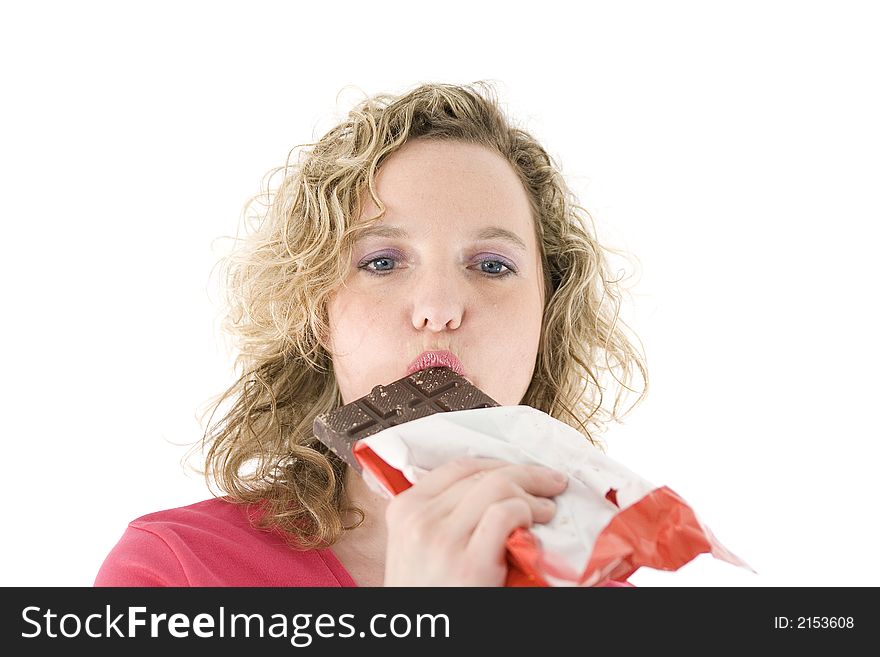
x: 423, y: 393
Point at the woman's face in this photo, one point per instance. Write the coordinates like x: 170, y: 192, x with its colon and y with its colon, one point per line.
x: 453, y: 266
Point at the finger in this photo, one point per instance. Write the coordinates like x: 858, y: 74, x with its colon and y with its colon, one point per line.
x: 497, y: 523
x: 430, y: 497
x: 441, y: 478
x: 533, y: 479
x: 543, y: 509
x: 489, y: 481
x: 469, y: 499
x: 538, y: 479
x: 482, y: 481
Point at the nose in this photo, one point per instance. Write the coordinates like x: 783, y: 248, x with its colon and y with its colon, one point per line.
x: 438, y: 304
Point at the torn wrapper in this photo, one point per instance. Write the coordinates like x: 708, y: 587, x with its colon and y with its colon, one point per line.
x: 609, y: 521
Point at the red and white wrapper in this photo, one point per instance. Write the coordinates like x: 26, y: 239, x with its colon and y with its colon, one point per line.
x: 609, y: 521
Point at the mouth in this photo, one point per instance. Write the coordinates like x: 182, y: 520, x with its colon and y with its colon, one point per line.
x: 436, y: 359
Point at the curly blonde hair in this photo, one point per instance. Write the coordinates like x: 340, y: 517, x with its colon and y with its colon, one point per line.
x: 296, y: 253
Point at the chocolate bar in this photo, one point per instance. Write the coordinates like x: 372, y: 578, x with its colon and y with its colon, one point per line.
x: 423, y: 393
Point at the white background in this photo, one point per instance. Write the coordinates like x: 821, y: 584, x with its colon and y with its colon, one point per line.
x: 733, y: 148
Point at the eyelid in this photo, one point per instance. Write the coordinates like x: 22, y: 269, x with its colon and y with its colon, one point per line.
x: 384, y: 253
x: 507, y: 262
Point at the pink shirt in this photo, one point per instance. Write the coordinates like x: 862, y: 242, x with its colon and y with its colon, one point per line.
x: 212, y: 543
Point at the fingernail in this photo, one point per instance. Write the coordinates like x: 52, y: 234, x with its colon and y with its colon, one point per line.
x: 560, y: 476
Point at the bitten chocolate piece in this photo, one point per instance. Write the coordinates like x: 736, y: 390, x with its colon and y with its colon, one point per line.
x: 423, y: 393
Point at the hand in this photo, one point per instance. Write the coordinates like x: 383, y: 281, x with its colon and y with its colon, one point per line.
x: 450, y: 528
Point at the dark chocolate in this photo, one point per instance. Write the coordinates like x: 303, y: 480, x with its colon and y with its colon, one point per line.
x: 423, y: 393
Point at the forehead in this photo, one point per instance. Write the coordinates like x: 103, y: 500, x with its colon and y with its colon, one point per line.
x: 429, y: 184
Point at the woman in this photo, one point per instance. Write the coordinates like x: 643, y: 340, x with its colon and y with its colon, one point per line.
x: 424, y: 229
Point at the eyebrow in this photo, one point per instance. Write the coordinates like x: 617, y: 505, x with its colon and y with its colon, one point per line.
x: 488, y: 233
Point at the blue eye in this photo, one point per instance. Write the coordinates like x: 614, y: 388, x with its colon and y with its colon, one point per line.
x: 496, y: 268
x: 382, y: 265
x: 491, y: 266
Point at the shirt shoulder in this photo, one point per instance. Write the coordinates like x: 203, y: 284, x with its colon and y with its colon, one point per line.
x: 213, y: 543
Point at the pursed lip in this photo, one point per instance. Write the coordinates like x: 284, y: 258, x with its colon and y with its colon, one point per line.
x: 436, y: 359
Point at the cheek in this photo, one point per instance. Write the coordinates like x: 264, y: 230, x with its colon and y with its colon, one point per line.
x: 362, y: 343
x: 342, y: 314
x: 511, y: 330
x: 349, y: 316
